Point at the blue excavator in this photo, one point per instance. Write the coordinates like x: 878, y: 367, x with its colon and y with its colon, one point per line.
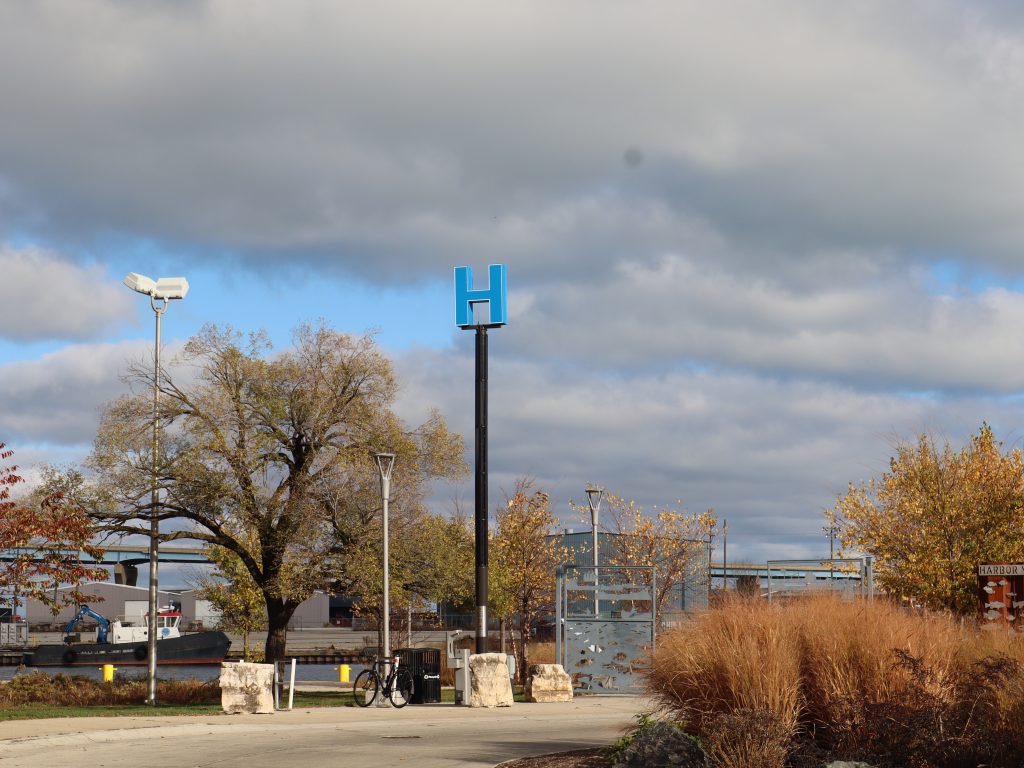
x: 85, y: 612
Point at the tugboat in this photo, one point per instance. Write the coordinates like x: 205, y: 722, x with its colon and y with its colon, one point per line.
x: 126, y: 643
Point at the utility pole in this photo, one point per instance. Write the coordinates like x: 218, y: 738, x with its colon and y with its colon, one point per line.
x: 725, y: 555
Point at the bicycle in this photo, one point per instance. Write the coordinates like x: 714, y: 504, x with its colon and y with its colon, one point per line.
x: 396, y: 685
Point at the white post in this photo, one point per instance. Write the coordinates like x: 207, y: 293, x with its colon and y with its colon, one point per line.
x: 291, y: 686
x: 594, y: 495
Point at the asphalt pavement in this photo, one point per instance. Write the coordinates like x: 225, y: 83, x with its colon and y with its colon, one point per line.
x: 431, y: 736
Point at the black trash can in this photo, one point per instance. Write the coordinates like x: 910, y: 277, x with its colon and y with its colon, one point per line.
x: 425, y: 665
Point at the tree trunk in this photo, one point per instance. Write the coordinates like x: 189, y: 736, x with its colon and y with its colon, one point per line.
x: 524, y: 635
x: 279, y: 613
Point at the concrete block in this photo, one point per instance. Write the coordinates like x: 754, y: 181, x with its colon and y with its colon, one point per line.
x: 490, y: 684
x: 247, y: 688
x: 548, y: 682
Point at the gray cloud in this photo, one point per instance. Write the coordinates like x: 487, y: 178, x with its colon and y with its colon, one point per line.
x: 869, y: 326
x: 345, y: 133
x: 46, y: 297
x: 767, y: 454
x: 56, y: 399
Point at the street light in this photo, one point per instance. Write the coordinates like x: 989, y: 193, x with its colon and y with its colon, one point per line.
x: 160, y: 293
x: 385, y: 463
x: 711, y: 538
x: 831, y: 531
x: 594, y: 495
x: 725, y: 555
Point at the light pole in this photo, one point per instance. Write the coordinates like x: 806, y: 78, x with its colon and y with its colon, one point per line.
x: 711, y: 538
x: 385, y: 463
x: 725, y: 555
x: 594, y: 496
x: 160, y: 293
x: 831, y: 531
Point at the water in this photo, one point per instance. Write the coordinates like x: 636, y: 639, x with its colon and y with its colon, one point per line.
x: 303, y: 672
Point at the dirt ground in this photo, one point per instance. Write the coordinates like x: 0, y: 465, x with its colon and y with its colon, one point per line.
x: 580, y: 758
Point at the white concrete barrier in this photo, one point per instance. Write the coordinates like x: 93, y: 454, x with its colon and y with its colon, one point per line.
x: 548, y: 682
x: 247, y: 688
x: 491, y: 685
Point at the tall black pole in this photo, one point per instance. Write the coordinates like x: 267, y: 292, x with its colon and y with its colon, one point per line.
x: 481, y: 489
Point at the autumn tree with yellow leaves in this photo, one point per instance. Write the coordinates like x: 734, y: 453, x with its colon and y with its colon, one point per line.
x: 674, y: 542
x: 935, y: 515
x: 522, y: 563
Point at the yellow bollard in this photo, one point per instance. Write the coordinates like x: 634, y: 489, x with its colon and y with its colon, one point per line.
x: 343, y: 672
x: 108, y: 673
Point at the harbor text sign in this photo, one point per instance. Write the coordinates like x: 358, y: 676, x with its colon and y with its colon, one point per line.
x: 1001, y: 569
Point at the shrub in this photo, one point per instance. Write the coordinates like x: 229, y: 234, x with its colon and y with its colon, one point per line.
x: 856, y: 680
x: 747, y: 737
x: 656, y: 743
x: 71, y: 691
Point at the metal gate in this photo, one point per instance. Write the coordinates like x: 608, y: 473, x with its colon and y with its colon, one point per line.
x: 605, y: 625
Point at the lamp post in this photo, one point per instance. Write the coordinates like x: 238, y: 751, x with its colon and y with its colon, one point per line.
x: 594, y: 495
x: 831, y: 531
x: 385, y: 463
x: 160, y: 293
x: 725, y: 555
x: 711, y: 539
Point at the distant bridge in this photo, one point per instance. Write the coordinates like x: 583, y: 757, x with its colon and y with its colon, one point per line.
x: 760, y: 570
x: 126, y: 559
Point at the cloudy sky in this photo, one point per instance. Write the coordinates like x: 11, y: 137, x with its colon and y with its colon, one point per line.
x: 749, y: 245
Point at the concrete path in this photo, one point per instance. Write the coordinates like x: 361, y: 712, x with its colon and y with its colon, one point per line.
x: 434, y: 736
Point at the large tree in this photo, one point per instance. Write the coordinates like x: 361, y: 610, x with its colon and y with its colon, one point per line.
x: 45, y: 534
x: 270, y: 457
x: 935, y: 515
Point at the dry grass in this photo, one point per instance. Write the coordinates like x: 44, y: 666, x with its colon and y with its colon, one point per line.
x: 852, y: 679
x: 77, y: 691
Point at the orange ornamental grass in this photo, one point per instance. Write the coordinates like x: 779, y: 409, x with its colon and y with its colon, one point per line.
x: 857, y: 679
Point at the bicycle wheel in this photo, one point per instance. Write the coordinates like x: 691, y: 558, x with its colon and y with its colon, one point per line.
x: 365, y: 688
x: 401, y: 688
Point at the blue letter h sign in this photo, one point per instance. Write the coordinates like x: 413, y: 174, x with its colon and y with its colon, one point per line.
x: 494, y: 296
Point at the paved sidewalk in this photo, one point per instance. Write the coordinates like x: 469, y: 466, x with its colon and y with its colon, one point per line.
x: 435, y: 736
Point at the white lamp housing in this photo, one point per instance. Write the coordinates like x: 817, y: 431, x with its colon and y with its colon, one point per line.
x: 164, y: 288
x: 170, y: 288
x: 594, y: 495
x: 140, y: 283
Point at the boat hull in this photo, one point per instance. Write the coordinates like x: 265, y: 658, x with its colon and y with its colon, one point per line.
x: 195, y: 648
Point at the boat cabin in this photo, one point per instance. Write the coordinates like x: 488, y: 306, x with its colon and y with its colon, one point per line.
x: 136, y: 629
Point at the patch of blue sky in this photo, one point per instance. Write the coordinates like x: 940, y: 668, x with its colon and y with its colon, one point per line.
x: 948, y: 276
x: 12, y: 350
x: 403, y: 317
